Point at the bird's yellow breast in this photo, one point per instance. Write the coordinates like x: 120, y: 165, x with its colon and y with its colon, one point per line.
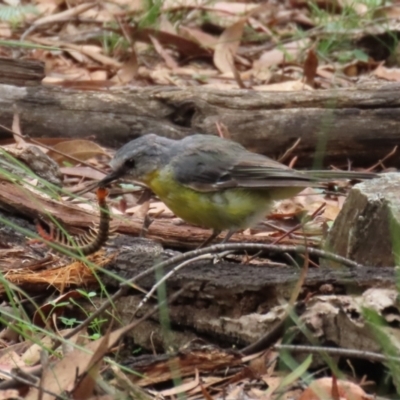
x: 221, y: 210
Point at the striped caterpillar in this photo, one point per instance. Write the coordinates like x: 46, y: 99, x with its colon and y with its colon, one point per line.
x: 89, y: 242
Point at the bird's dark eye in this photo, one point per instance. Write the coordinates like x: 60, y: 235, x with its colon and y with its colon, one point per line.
x: 130, y: 163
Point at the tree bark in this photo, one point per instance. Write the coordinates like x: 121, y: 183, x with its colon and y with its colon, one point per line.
x: 334, y: 125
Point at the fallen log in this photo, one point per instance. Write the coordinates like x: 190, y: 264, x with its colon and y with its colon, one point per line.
x: 334, y: 126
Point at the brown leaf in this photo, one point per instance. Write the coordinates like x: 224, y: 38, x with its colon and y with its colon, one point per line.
x: 81, y: 149
x: 69, y: 13
x: 322, y: 389
x: 57, y: 378
x: 169, y: 61
x: 8, y: 362
x: 186, y: 47
x: 389, y: 12
x: 82, y: 172
x: 284, y: 86
x: 200, y: 37
x: 286, y: 52
x: 310, y: 67
x: 9, y: 394
x: 128, y: 71
x: 85, y: 388
x: 227, y: 46
x: 183, y: 388
x: 31, y: 356
x: 390, y: 74
x: 16, y: 127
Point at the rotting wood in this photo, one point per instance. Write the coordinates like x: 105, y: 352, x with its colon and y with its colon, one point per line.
x: 14, y: 199
x: 367, y: 227
x: 21, y: 72
x: 334, y: 125
x: 225, y: 295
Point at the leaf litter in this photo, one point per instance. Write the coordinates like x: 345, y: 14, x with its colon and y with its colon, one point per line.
x: 197, y: 43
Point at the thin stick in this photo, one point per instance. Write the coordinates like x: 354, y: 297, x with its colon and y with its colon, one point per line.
x: 26, y: 137
x: 168, y: 275
x: 288, y: 151
x: 380, y: 162
x: 366, y: 355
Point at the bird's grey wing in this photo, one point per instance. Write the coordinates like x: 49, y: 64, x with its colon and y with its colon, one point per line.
x: 218, y: 167
x: 207, y: 163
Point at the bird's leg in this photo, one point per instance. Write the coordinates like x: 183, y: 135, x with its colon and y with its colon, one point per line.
x: 214, y: 234
x: 228, y: 235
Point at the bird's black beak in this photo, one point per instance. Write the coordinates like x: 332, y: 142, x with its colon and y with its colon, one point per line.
x: 112, y: 176
x: 102, y: 183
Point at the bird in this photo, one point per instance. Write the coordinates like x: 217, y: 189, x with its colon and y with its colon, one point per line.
x: 214, y: 182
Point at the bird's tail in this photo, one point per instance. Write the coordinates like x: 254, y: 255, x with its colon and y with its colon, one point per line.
x: 336, y: 174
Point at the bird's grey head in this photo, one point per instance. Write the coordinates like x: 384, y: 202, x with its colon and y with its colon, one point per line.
x: 140, y: 157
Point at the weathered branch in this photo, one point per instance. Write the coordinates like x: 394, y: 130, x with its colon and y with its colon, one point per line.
x: 334, y: 125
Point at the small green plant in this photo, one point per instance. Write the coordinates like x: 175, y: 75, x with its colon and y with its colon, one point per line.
x: 69, y: 322
x: 16, y: 14
x: 153, y: 10
x: 335, y: 39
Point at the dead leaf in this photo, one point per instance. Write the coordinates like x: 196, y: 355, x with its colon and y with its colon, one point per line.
x: 165, y: 25
x: 81, y: 149
x: 8, y: 362
x: 5, y: 30
x: 82, y: 172
x: 99, y: 75
x: 58, y: 377
x: 390, y: 74
x: 9, y: 394
x: 16, y: 127
x: 310, y: 67
x: 169, y: 61
x: 84, y: 389
x: 222, y: 86
x: 289, y: 51
x: 284, y: 86
x: 322, y: 389
x: 69, y: 13
x: 227, y: 46
x: 85, y: 50
x: 221, y: 8
x: 389, y: 12
x: 124, y: 382
x: 82, y: 58
x: 197, y: 35
x: 128, y: 70
x: 183, y: 45
x: 32, y: 355
x: 262, y: 74
x: 273, y: 382
x: 185, y: 387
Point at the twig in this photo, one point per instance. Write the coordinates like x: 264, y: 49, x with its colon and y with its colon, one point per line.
x: 288, y: 151
x: 168, y: 275
x: 301, y: 224
x: 380, y: 162
x: 17, y: 379
x: 335, y: 351
x: 34, y: 141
